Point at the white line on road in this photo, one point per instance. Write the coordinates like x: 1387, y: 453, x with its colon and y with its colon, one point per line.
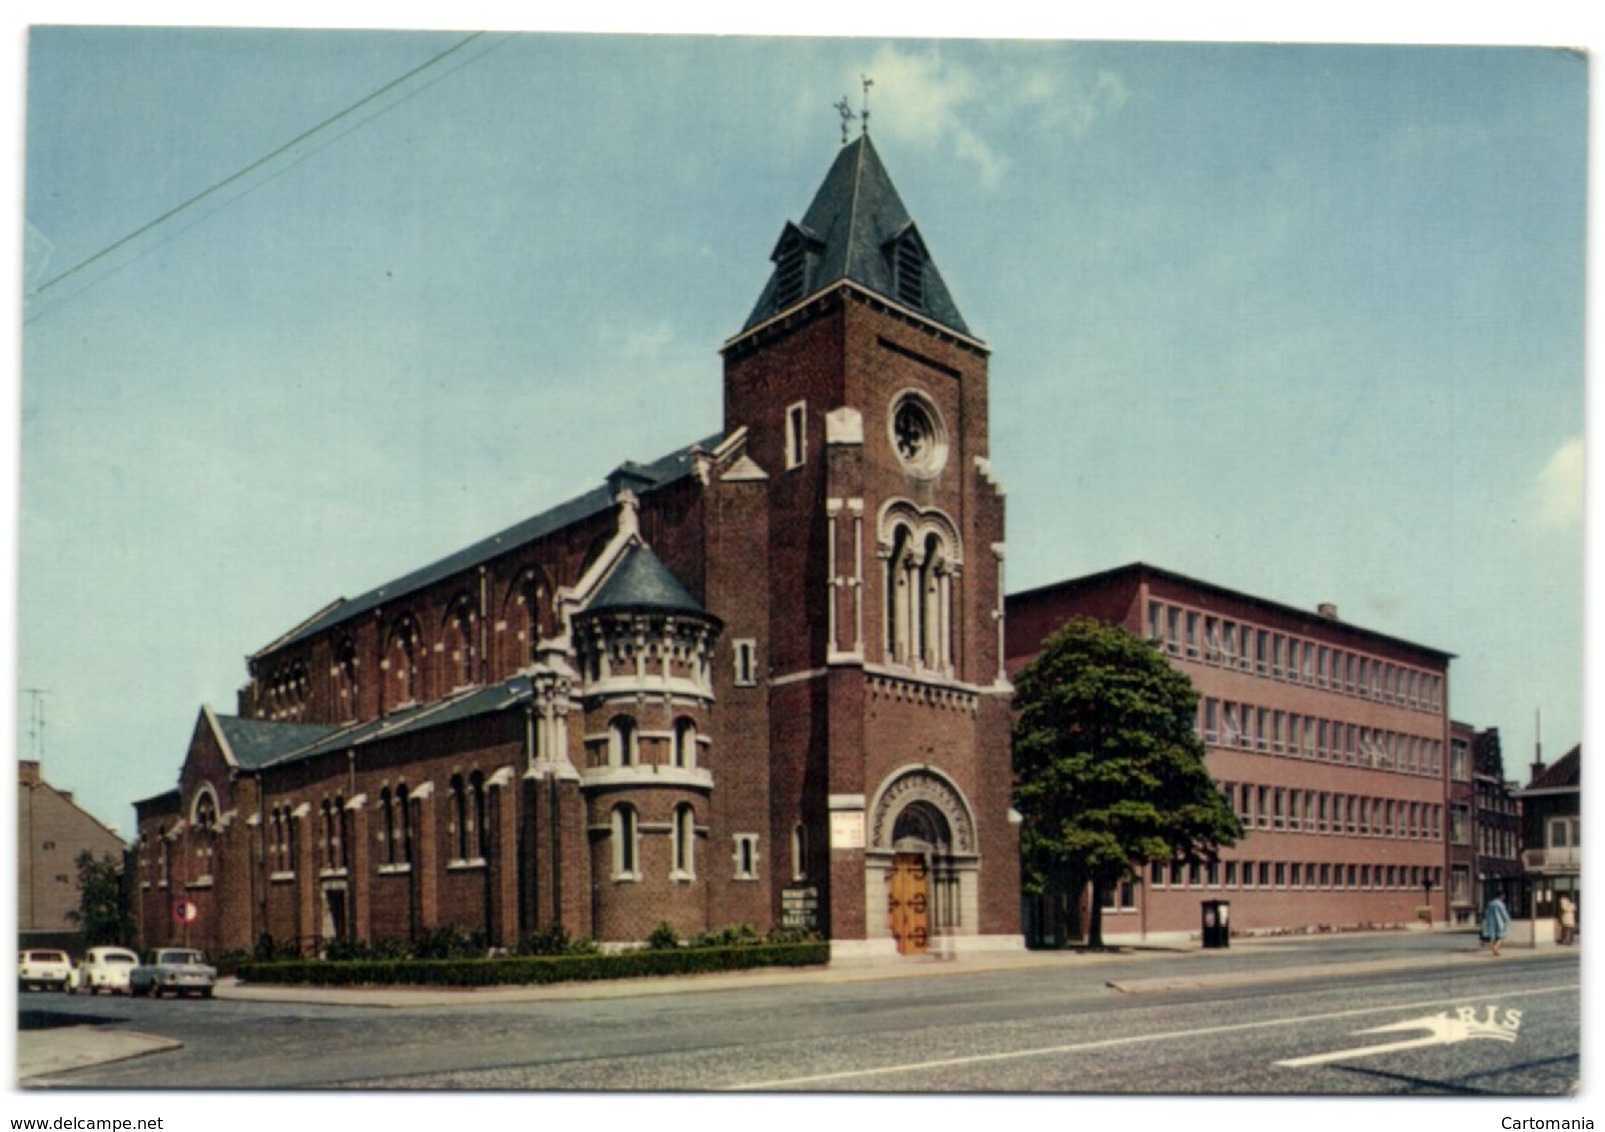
x: 1111, y: 1043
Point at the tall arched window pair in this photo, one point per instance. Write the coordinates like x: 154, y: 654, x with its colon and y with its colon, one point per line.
x: 397, y: 811
x: 922, y: 561
x: 468, y: 803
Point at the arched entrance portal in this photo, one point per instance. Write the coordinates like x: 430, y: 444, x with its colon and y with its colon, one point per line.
x: 922, y: 866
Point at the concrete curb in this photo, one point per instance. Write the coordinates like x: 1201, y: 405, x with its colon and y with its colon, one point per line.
x: 1286, y: 974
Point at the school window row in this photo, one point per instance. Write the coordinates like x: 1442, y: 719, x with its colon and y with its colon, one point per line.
x: 1338, y: 876
x: 1223, y: 723
x: 1194, y: 635
x: 1319, y: 811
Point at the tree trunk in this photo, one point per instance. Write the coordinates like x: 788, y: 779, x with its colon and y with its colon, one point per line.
x: 1095, y: 916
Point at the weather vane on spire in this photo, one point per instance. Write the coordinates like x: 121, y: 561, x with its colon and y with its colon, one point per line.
x: 845, y: 109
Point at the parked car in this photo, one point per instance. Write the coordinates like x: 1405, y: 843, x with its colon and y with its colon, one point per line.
x: 175, y: 971
x: 105, y: 969
x: 44, y: 970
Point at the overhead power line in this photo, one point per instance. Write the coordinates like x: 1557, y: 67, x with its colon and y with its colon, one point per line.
x: 256, y: 165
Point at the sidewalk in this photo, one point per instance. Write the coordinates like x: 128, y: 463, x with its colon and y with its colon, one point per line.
x: 839, y: 971
x: 43, y: 1052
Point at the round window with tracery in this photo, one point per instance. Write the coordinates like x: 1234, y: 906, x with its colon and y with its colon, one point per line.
x: 918, y: 437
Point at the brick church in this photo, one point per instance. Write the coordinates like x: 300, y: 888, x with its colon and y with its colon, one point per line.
x: 757, y: 680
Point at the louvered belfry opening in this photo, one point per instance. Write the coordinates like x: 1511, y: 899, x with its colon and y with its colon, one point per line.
x: 908, y: 262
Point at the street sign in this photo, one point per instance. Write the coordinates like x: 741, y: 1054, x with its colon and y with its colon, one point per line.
x: 186, y: 911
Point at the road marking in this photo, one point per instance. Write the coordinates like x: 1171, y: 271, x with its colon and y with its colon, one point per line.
x: 1441, y: 1029
x: 1112, y: 1043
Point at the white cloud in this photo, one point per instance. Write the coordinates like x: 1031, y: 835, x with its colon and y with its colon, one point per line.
x: 1073, y: 103
x: 922, y: 99
x: 1559, y: 488
x: 919, y: 98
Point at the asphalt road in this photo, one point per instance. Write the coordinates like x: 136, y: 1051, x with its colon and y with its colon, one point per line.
x: 1302, y: 1017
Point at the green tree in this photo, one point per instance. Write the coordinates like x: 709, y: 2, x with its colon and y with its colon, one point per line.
x: 1108, y: 767
x: 104, y: 912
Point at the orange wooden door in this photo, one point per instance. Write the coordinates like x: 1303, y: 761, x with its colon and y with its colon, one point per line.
x: 908, y: 904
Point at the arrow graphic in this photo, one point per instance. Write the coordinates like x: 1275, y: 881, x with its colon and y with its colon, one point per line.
x: 1442, y: 1029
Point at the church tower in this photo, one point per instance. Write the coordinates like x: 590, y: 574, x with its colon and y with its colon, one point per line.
x: 860, y: 396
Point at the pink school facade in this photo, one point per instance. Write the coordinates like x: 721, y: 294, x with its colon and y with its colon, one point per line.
x: 1328, y: 740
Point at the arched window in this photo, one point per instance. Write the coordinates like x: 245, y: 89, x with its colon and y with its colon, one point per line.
x: 206, y: 811
x: 345, y: 677
x: 404, y: 806
x: 528, y: 617
x: 457, y: 644
x: 479, y: 834
x: 799, y: 852
x: 389, y: 818
x: 625, y: 836
x: 684, y: 843
x: 328, y: 842
x: 284, y: 851
x: 897, y: 602
x: 921, y: 560
x: 402, y: 656
x: 622, y: 746
x: 685, y: 743
x: 932, y: 613
x: 342, y: 834
x: 459, y: 815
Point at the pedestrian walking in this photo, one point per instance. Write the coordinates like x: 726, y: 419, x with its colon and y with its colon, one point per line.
x: 1568, y: 920
x: 1495, y: 922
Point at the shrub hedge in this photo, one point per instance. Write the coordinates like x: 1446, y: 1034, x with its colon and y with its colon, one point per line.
x: 531, y: 969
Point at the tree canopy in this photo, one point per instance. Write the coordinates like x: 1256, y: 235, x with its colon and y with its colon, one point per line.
x: 104, y: 911
x: 1108, y: 767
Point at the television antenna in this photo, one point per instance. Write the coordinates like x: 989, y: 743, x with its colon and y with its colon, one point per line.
x: 36, y: 722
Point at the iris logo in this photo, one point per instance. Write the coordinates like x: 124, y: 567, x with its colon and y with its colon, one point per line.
x: 1447, y: 1028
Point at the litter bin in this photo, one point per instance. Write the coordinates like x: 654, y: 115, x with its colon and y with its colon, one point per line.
x: 1217, y: 923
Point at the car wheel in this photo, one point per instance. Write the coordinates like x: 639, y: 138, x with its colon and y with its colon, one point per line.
x: 206, y: 992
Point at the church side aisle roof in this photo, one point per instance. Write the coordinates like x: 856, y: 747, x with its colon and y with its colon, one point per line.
x: 464, y: 704
x: 659, y: 473
x: 257, y: 742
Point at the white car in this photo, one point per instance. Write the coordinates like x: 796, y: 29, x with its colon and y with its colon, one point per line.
x: 105, y: 969
x: 44, y: 970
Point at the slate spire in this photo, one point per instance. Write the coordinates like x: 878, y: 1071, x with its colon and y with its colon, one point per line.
x: 857, y: 230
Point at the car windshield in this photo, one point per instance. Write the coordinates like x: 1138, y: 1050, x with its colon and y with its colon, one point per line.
x: 117, y: 957
x: 180, y: 957
x: 47, y: 957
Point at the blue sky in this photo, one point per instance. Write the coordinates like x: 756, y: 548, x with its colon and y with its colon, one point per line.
x: 1306, y: 322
